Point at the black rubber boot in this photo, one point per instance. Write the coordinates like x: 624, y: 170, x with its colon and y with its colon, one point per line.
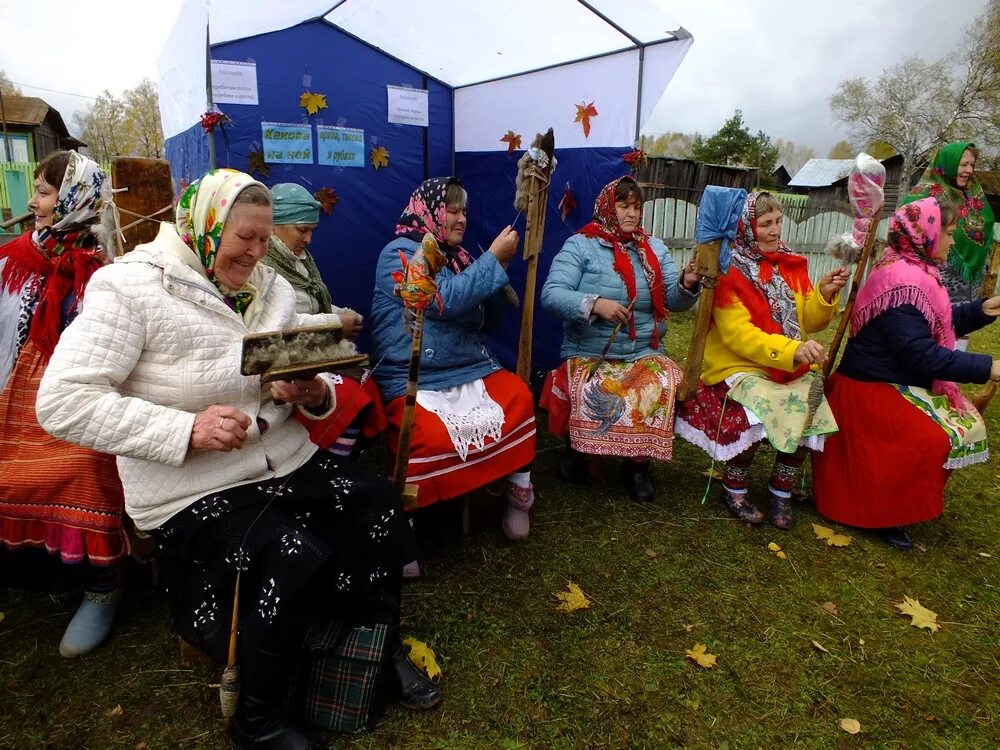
x: 572, y: 465
x: 260, y: 722
x: 637, y: 481
x: 897, y: 537
x: 415, y: 690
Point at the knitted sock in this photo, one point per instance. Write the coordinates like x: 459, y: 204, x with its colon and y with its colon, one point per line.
x: 787, y: 469
x: 737, y: 471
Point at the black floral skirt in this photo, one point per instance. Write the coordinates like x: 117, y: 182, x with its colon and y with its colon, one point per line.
x: 328, y: 539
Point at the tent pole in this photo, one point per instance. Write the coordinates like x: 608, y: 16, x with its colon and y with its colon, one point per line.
x: 426, y: 136
x: 638, y: 96
x: 208, y: 94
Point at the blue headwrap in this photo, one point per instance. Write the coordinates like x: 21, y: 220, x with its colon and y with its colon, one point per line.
x: 294, y: 205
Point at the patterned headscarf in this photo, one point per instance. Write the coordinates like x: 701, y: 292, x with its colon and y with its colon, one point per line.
x: 294, y: 205
x: 201, y: 216
x: 64, y: 254
x: 427, y: 212
x: 606, y: 227
x: 907, y: 275
x: 974, y: 235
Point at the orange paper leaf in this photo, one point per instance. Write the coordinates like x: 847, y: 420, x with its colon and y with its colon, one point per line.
x: 513, y: 141
x: 380, y: 157
x: 312, y: 102
x: 583, y: 114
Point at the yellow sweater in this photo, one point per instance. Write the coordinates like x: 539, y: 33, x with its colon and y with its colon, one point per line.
x: 735, y: 344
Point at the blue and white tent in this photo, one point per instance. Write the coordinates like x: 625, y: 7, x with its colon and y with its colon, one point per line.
x: 520, y: 65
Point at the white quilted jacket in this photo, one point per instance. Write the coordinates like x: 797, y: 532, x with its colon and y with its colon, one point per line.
x: 154, y: 345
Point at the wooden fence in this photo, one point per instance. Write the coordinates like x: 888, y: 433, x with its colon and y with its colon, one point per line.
x: 28, y: 169
x: 673, y: 221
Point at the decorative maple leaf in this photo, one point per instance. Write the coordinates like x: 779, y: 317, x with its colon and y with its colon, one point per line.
x: 422, y: 657
x: 583, y: 114
x: 700, y: 656
x: 312, y: 102
x: 380, y: 157
x: 327, y: 198
x: 572, y: 599
x: 831, y: 537
x: 920, y: 616
x: 513, y: 141
x: 566, y: 206
x: 256, y: 162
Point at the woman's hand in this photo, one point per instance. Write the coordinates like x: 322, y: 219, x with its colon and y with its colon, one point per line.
x: 833, y: 281
x: 350, y: 324
x: 219, y: 428
x: 691, y: 278
x: 505, y: 245
x: 611, y: 311
x: 992, y: 306
x: 307, y: 393
x: 995, y: 370
x: 809, y: 353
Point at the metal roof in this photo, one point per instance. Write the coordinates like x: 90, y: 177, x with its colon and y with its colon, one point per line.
x: 821, y: 172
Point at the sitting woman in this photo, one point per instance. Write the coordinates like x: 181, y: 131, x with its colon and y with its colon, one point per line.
x: 952, y: 178
x: 612, y: 275
x: 213, y: 466
x: 756, y: 374
x: 61, y: 505
x: 360, y: 418
x: 903, y: 423
x: 475, y: 422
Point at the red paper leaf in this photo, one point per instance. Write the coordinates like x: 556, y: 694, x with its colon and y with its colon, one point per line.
x: 327, y: 198
x: 257, y: 164
x: 583, y: 114
x: 568, y: 203
x: 513, y: 141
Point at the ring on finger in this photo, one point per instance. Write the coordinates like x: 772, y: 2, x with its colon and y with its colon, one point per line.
x: 222, y: 422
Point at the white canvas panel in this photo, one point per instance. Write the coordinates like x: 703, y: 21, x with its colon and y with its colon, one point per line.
x: 533, y: 102
x: 660, y: 63
x: 181, y: 70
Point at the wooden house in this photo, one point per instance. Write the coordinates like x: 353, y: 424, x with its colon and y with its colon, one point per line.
x: 685, y: 179
x: 34, y: 130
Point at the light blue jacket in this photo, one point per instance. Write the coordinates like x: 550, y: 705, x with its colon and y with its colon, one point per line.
x: 583, y: 271
x: 454, y: 347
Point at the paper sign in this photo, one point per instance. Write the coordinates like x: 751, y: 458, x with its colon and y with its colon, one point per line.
x: 234, y: 82
x: 340, y: 147
x: 407, y: 106
x: 285, y: 143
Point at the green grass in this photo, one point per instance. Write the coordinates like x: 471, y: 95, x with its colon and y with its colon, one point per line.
x: 520, y: 674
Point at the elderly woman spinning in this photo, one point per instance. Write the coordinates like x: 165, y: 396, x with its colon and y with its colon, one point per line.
x: 213, y: 466
x: 904, y: 423
x: 756, y: 375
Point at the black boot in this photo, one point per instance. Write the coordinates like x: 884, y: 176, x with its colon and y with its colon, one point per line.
x: 572, y: 466
x: 637, y: 481
x: 260, y: 722
x: 416, y: 691
x: 897, y: 537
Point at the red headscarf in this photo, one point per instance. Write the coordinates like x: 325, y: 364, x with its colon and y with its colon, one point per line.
x: 605, y: 226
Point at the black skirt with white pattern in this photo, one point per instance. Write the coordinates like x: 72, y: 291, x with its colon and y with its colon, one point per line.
x: 326, y: 540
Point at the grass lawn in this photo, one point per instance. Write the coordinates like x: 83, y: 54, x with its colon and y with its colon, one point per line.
x: 518, y: 673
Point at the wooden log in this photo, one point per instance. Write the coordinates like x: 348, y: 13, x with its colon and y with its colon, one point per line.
x: 149, y: 193
x: 989, y: 285
x: 983, y: 398
x: 706, y: 264
x: 859, y: 272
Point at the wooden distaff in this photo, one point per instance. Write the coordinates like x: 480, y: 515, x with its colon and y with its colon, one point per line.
x: 144, y: 197
x: 989, y: 286
x: 535, y: 179
x: 706, y: 264
x: 859, y: 272
x: 417, y: 289
x: 229, y: 685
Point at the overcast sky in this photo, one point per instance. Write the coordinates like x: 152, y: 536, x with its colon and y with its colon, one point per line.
x: 777, y: 60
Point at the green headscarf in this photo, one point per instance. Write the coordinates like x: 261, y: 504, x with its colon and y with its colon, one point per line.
x: 974, y: 234
x: 294, y: 205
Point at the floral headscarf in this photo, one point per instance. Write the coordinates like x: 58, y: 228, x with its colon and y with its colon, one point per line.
x: 606, y: 227
x: 908, y: 275
x: 974, y: 235
x: 64, y: 255
x: 427, y: 212
x: 201, y: 216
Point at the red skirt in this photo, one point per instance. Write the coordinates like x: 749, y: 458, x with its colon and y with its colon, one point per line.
x: 435, y: 466
x: 885, y: 466
x: 354, y: 400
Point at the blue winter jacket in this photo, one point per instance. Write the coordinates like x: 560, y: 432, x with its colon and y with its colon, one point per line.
x: 454, y: 348
x: 583, y: 271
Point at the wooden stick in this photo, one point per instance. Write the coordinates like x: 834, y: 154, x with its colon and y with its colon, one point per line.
x: 409, y: 491
x: 707, y: 264
x: 538, y: 197
x: 983, y: 398
x: 859, y: 272
x: 607, y: 347
x: 229, y: 685
x: 989, y: 285
x: 16, y: 220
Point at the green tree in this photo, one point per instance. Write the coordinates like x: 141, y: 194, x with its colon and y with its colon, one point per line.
x: 733, y: 145
x: 126, y: 125
x: 842, y: 150
x: 7, y: 86
x: 677, y: 145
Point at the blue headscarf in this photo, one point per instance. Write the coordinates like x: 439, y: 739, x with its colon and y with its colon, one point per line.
x: 294, y: 205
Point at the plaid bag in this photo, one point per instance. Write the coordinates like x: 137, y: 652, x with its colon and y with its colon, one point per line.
x: 342, y: 684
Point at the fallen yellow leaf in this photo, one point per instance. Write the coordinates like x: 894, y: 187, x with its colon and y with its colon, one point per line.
x: 851, y: 726
x: 829, y: 607
x: 651, y: 553
x: 985, y: 554
x: 2, y: 616
x: 572, y: 599
x: 773, y: 547
x: 116, y: 711
x: 422, y: 657
x: 831, y: 537
x: 712, y: 473
x: 782, y: 555
x: 312, y: 102
x: 920, y: 616
x: 689, y: 627
x: 819, y: 646
x: 700, y: 656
